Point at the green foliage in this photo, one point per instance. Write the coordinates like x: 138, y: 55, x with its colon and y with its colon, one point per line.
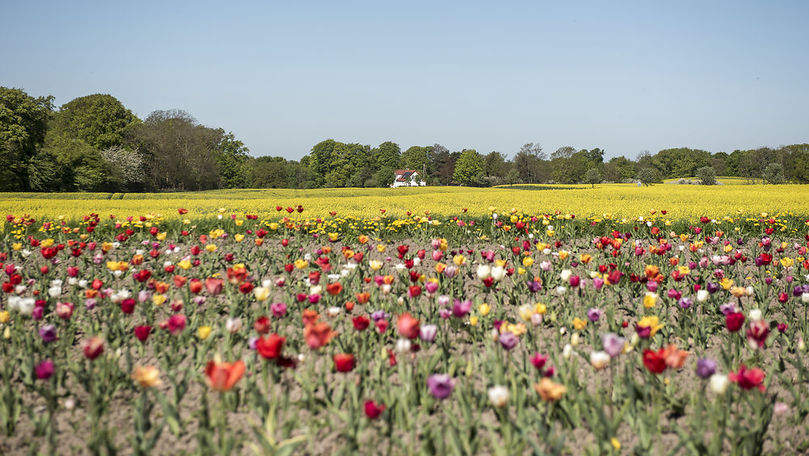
x: 417, y: 158
x: 706, y: 175
x: 592, y: 177
x: 180, y: 153
x: 649, y: 176
x: 23, y: 126
x: 100, y: 120
x: 388, y: 155
x: 468, y: 167
x: 232, y: 158
x: 774, y: 174
x: 384, y: 177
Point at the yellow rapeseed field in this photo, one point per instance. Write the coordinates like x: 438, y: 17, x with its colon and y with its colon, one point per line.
x: 616, y: 200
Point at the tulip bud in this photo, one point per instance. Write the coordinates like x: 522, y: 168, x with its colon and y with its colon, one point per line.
x: 719, y: 383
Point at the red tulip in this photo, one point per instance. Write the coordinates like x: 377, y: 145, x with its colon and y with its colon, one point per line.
x: 373, y: 410
x: 128, y: 305
x: 758, y: 332
x: 344, y: 362
x: 271, y: 346
x: 748, y: 378
x: 262, y: 325
x: 654, y: 361
x: 142, y: 332
x: 93, y: 347
x: 361, y: 323
x: 176, y: 323
x: 408, y: 326
x: 214, y: 286
x: 734, y: 321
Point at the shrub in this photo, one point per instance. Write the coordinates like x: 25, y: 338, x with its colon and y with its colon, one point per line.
x: 649, y: 176
x: 706, y: 175
x: 774, y: 174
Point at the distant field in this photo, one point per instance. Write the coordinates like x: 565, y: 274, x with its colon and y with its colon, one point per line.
x: 621, y: 200
x: 727, y: 180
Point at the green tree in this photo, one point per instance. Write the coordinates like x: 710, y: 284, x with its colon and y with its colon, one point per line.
x: 495, y: 165
x: 388, y: 155
x: 80, y: 165
x: 706, y: 175
x: 774, y: 174
x: 468, y: 167
x: 231, y: 158
x: 592, y: 177
x: 23, y: 126
x: 417, y: 158
x: 322, y: 159
x: 100, y: 120
x: 384, y: 177
x: 649, y: 176
x: 529, y: 161
x: 180, y: 154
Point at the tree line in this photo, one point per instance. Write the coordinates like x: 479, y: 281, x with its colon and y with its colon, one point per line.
x: 94, y: 143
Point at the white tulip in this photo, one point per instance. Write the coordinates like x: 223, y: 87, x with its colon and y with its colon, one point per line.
x: 498, y: 395
x: 599, y: 359
x: 484, y: 271
x: 719, y: 383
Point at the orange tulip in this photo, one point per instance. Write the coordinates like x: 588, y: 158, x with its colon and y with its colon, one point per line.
x: 334, y: 288
x: 550, y: 390
x: 222, y: 376
x: 309, y: 316
x: 318, y: 334
x: 363, y: 298
x: 674, y: 357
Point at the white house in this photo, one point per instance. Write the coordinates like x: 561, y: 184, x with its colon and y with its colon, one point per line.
x: 407, y: 178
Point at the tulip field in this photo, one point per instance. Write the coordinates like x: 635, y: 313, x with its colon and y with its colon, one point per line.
x: 493, y: 327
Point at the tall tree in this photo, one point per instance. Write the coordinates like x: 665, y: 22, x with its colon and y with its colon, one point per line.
x: 388, y: 155
x: 100, y: 120
x: 23, y: 126
x: 417, y: 158
x: 468, y: 168
x: 180, y: 153
x: 231, y: 158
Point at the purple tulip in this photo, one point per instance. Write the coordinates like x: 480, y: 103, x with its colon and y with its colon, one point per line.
x: 48, y: 333
x: 440, y: 385
x: 444, y: 313
x: 728, y: 308
x: 508, y: 340
x: 712, y: 287
x: 594, y: 314
x: 685, y: 303
x: 534, y: 286
x: 251, y: 342
x: 613, y: 344
x: 379, y: 315
x: 706, y: 367
x: 44, y: 370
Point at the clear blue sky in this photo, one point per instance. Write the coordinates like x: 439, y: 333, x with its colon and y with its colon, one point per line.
x: 623, y: 76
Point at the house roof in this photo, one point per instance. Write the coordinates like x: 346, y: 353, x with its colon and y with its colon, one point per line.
x: 402, y: 175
